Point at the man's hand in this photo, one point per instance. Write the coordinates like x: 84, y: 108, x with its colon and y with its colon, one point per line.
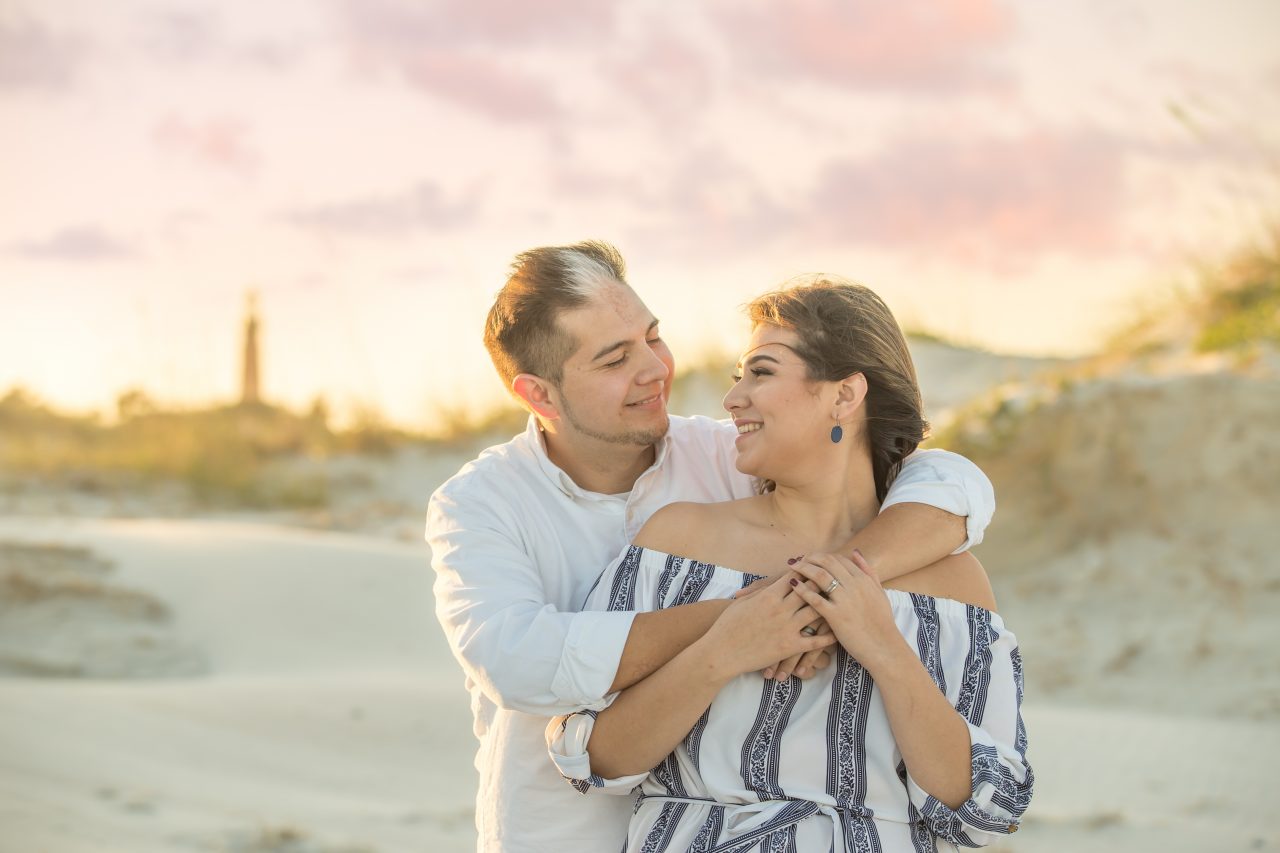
x: 765, y: 625
x: 803, y: 666
x: 754, y: 587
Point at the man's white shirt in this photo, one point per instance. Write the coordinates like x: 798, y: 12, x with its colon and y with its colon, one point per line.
x: 516, y: 547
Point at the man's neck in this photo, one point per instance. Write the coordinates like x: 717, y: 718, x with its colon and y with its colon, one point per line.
x: 610, y: 469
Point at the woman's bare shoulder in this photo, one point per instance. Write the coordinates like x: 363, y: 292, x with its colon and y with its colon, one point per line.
x: 957, y: 576
x: 685, y: 528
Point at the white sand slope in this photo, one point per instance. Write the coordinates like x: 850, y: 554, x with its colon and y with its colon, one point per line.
x: 329, y: 717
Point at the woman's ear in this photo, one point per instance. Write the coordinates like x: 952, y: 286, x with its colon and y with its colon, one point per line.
x: 850, y: 395
x: 535, y: 392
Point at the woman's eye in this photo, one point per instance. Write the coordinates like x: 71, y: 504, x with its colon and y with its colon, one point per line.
x: 735, y: 377
x: 760, y: 371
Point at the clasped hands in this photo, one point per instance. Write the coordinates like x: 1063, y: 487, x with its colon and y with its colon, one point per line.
x: 799, y: 597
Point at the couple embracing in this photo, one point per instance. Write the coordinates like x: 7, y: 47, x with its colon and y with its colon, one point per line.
x: 682, y: 634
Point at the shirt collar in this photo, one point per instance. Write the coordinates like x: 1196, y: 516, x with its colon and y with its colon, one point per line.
x: 554, y: 473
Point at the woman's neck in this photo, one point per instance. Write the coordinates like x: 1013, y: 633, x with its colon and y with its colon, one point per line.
x: 829, y: 509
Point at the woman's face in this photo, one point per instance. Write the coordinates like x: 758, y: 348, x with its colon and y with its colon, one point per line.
x: 782, y: 416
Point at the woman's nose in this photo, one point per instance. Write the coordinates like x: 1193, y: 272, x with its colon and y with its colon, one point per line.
x: 732, y: 400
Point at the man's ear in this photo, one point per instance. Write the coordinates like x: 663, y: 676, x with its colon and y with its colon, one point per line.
x: 536, y: 394
x: 850, y: 395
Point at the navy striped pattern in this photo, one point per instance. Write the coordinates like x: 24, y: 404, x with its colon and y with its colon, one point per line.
x: 808, y: 761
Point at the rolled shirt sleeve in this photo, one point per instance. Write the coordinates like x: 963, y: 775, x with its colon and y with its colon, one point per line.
x: 493, y: 604
x: 949, y: 482
x: 567, y: 738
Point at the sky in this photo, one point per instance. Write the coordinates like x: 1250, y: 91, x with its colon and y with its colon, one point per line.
x: 1012, y: 175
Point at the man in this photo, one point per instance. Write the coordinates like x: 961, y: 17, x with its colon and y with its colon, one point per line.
x: 519, y: 535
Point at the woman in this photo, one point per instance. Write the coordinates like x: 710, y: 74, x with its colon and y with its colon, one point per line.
x: 913, y: 739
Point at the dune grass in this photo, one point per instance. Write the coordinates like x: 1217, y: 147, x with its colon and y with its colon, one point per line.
x: 1242, y: 303
x: 225, y: 455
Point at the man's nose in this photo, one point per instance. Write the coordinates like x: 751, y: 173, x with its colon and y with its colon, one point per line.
x: 655, y: 370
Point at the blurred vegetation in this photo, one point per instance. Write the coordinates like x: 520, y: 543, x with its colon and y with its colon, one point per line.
x: 228, y: 455
x: 1242, y: 303
x: 1231, y: 309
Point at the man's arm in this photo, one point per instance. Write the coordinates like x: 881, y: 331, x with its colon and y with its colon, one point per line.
x: 939, y: 504
x: 658, y: 636
x: 526, y: 655
x: 907, y: 536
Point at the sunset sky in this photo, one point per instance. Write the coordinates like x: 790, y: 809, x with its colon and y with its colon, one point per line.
x: 1011, y: 174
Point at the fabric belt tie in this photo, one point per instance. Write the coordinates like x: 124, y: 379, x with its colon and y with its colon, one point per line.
x: 746, y: 823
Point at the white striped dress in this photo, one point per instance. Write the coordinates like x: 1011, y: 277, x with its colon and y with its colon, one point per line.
x: 812, y: 765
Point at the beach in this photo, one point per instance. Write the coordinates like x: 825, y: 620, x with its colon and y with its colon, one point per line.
x: 288, y: 690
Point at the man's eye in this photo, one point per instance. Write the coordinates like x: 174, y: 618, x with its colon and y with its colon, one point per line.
x: 616, y: 363
x: 735, y: 377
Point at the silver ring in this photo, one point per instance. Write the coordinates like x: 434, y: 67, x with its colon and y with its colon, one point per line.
x: 809, y: 630
x: 834, y: 583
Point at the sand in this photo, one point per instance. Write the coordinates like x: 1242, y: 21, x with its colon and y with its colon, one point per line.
x: 328, y: 716
x: 325, y: 713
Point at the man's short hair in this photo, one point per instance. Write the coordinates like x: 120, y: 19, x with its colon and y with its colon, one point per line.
x: 523, y: 332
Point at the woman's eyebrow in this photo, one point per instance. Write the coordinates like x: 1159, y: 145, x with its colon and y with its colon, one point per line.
x: 760, y: 357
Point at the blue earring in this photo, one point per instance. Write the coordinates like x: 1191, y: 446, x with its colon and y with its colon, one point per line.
x: 837, y: 433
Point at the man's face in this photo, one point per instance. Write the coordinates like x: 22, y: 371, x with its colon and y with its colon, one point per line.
x: 617, y: 381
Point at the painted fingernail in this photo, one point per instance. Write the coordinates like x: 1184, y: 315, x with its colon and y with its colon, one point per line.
x: 795, y: 582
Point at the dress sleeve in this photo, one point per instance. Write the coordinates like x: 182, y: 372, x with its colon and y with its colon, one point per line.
x: 491, y: 600
x: 949, y: 482
x: 989, y: 697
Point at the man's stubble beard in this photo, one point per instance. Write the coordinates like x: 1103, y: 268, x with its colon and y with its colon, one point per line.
x: 640, y: 438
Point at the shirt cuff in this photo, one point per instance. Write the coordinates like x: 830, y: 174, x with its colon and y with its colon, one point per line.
x: 955, y: 491
x: 567, y: 739
x: 592, y: 652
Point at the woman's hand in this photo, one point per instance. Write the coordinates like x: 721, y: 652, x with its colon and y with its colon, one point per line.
x: 764, y: 627
x: 856, y: 608
x: 804, y: 665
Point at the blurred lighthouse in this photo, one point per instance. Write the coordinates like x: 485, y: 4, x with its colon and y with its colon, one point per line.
x: 250, y: 393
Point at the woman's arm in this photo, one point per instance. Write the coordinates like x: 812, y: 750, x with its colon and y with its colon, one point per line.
x: 649, y: 719
x: 932, y: 737
x: 967, y: 772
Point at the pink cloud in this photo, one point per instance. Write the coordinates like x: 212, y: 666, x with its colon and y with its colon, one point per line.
x: 37, y: 57
x: 220, y: 142
x: 409, y: 23
x: 477, y: 82
x: 77, y: 243
x: 423, y: 206
x: 942, y: 45
x: 665, y: 73
x: 994, y: 202
x: 999, y: 204
x: 462, y: 51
